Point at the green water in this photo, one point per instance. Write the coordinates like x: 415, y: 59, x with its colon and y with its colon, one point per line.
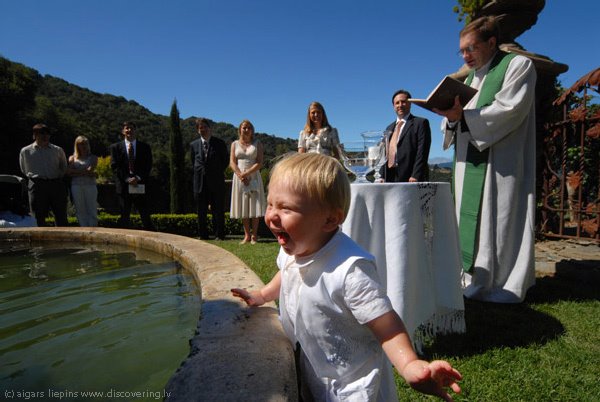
x: 79, y: 320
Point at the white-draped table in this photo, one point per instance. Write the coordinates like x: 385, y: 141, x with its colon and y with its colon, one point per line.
x: 411, y: 230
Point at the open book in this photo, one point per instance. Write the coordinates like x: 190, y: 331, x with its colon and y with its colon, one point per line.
x: 442, y: 97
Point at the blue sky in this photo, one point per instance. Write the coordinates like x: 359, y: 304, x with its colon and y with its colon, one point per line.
x: 266, y: 60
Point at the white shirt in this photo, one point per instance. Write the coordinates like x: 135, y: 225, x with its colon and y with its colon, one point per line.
x: 133, y: 144
x: 325, y: 300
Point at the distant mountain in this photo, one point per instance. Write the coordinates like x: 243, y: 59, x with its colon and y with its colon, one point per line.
x: 446, y: 165
x: 26, y: 97
x: 439, y: 161
x: 101, y: 115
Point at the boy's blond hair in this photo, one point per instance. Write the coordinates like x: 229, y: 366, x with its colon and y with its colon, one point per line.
x: 318, y: 176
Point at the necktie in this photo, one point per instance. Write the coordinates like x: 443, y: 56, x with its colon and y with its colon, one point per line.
x: 205, y: 145
x: 393, y: 146
x: 131, y: 157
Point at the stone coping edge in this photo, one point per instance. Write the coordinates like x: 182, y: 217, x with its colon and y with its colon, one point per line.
x: 238, y: 353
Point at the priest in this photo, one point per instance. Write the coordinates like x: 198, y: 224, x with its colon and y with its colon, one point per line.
x: 494, y: 174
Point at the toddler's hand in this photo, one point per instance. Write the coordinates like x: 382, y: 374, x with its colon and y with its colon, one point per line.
x: 251, y: 299
x: 432, y: 378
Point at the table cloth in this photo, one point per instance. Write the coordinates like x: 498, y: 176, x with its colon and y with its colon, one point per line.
x: 411, y: 230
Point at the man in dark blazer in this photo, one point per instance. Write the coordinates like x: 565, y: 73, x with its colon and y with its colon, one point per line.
x: 131, y: 162
x: 409, y: 140
x: 209, y: 160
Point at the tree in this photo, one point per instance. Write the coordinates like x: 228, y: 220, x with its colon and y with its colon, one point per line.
x: 467, y: 8
x: 18, y: 86
x: 176, y: 157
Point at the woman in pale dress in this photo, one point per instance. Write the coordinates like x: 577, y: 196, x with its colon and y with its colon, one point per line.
x: 247, y: 193
x: 318, y: 136
x: 82, y: 169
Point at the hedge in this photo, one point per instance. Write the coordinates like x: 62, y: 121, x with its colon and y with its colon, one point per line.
x: 180, y: 224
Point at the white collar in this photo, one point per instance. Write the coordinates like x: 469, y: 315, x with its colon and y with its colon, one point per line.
x: 305, y: 261
x: 404, y: 119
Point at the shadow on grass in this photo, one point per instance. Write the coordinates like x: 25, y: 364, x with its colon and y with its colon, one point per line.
x: 575, y: 280
x: 491, y: 325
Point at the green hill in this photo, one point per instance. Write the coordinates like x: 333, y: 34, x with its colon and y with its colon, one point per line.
x: 27, y: 97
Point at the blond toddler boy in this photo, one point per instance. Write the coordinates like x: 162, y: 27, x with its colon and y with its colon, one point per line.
x: 330, y: 300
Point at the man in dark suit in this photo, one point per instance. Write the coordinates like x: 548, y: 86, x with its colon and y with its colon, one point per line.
x: 409, y: 139
x: 209, y: 160
x: 131, y: 162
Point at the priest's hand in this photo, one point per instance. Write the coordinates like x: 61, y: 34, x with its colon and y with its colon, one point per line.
x: 453, y: 114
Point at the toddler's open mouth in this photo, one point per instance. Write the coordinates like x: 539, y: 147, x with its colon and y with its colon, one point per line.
x: 282, y: 237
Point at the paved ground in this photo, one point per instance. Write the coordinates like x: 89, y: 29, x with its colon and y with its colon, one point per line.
x: 566, y: 256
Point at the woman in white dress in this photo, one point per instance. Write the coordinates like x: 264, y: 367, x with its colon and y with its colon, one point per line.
x: 82, y: 169
x: 318, y: 136
x: 247, y: 193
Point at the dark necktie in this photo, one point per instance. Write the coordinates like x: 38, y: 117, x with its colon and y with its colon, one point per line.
x: 131, y: 157
x: 205, y: 145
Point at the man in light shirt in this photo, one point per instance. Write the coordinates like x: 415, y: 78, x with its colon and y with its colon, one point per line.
x: 44, y: 164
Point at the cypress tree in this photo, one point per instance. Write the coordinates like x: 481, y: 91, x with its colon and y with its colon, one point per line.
x: 176, y: 159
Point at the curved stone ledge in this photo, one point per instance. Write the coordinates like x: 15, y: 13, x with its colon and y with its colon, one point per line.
x: 238, y: 353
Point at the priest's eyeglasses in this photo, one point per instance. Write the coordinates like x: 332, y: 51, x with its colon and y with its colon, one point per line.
x: 469, y: 49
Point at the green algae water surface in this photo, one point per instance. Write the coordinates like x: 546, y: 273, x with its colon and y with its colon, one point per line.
x: 83, y: 323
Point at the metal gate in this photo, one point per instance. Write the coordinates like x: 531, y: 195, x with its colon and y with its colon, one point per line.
x: 570, y: 199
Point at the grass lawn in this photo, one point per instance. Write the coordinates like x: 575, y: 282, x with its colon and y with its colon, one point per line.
x: 545, y: 349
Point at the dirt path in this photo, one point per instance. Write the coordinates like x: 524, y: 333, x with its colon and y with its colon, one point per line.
x: 557, y: 256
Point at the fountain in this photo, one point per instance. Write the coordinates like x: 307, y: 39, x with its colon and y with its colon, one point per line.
x: 238, y: 353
